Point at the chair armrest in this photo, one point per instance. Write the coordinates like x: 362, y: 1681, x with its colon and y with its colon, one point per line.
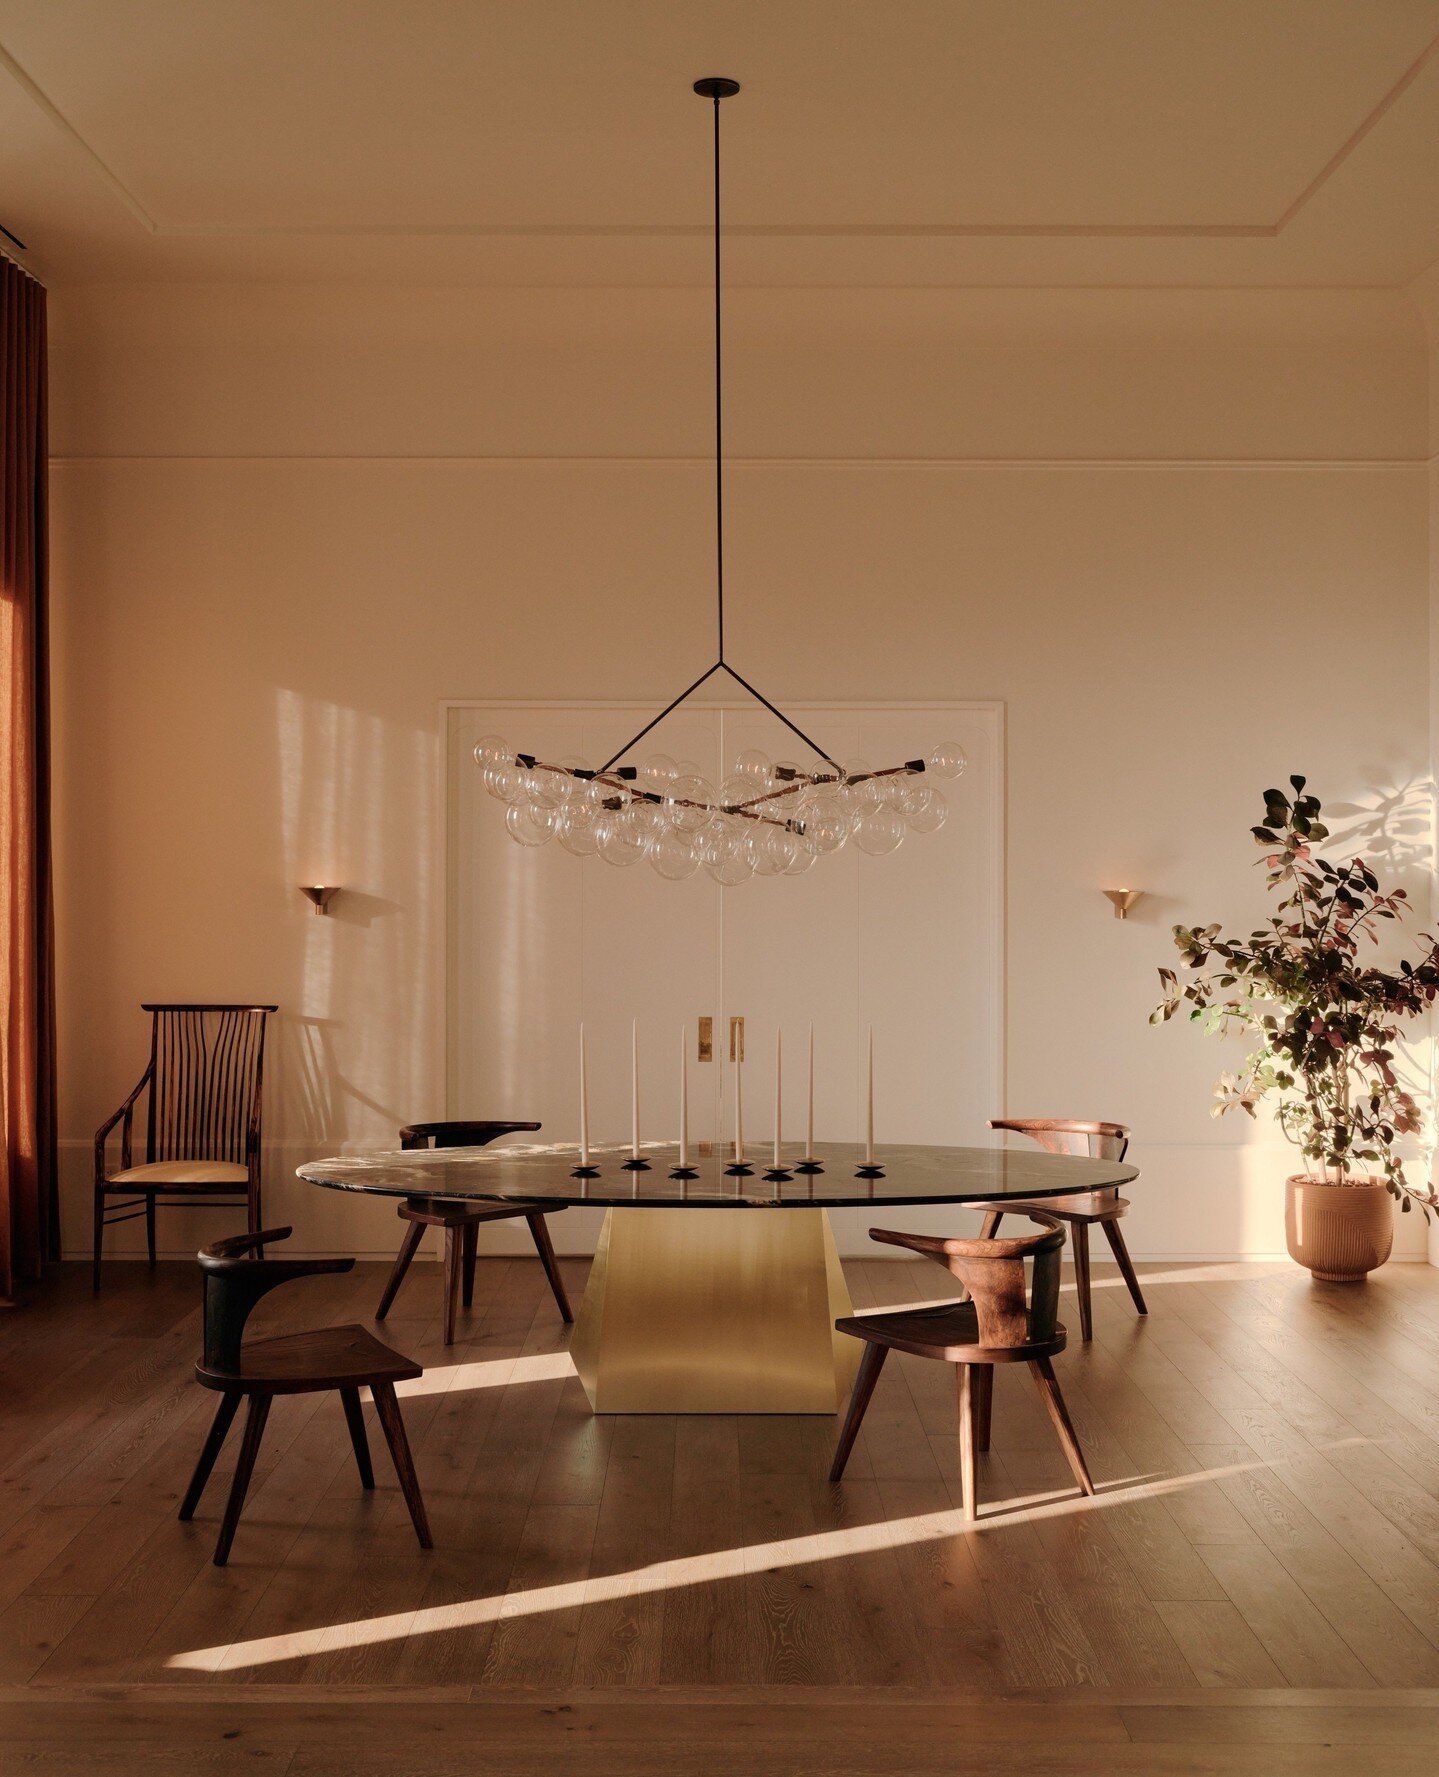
x: 125, y: 1114
x: 221, y: 1254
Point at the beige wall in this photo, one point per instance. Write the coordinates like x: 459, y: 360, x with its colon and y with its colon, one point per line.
x: 1183, y: 537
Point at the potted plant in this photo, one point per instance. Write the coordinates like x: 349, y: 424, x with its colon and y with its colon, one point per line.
x: 1325, y: 1026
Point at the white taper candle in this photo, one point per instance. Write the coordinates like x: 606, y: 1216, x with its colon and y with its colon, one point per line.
x: 684, y: 1096
x: 635, y: 1090
x: 738, y: 1108
x: 809, y: 1117
x: 778, y: 1092
x: 869, y: 1124
x: 584, y: 1102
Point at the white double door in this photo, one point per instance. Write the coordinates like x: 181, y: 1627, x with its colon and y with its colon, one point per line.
x: 909, y: 944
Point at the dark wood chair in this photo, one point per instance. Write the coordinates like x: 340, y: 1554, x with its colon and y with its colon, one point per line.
x: 461, y: 1223
x: 997, y: 1325
x: 346, y: 1359
x: 1097, y: 1141
x: 202, y: 1121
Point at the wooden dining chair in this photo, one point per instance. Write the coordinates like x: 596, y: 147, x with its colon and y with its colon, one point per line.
x: 345, y: 1359
x: 202, y: 1121
x: 997, y: 1325
x: 461, y: 1223
x: 1097, y: 1141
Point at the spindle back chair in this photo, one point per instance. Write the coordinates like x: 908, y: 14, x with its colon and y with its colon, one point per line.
x: 204, y: 1081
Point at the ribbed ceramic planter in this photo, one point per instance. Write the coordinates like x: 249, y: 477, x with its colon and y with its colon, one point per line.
x: 1340, y: 1232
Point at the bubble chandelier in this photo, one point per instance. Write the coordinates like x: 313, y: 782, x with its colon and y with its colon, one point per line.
x: 767, y: 817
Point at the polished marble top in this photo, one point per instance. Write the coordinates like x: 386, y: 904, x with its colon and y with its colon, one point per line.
x: 542, y: 1173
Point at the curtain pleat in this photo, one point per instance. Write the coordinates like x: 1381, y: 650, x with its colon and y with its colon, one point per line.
x: 29, y: 1220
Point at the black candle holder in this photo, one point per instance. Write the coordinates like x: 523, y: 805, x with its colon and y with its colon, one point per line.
x: 869, y: 1172
x: 636, y: 1165
x: 739, y: 1169
x: 685, y: 1172
x: 584, y: 1172
x: 809, y: 1166
x: 777, y: 1176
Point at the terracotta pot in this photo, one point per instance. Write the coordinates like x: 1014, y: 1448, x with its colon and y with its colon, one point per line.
x: 1341, y: 1232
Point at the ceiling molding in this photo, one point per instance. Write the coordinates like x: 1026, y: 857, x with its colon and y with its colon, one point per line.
x: 755, y: 231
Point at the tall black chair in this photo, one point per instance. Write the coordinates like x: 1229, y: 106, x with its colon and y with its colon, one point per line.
x: 461, y: 1222
x: 202, y: 1121
x: 346, y: 1359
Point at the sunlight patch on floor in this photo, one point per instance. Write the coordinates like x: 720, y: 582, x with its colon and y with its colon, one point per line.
x: 692, y: 1570
x: 495, y: 1372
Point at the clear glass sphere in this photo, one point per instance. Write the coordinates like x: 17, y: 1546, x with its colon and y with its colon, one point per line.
x: 545, y: 787
x: 575, y: 830
x: 879, y: 831
x: 733, y: 867
x: 493, y: 749
x: 615, y: 840
x: 691, y: 801
x: 507, y: 782
x: 857, y: 768
x: 924, y: 809
x: 687, y: 768
x: 645, y: 821
x: 710, y: 839
x: 754, y: 765
x: 570, y: 786
x: 737, y: 789
x: 529, y: 825
x: 774, y: 850
x: 826, y: 823
x: 948, y: 759
x: 658, y: 772
x: 673, y: 858
x: 803, y: 860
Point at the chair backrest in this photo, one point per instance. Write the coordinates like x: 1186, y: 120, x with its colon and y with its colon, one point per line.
x: 237, y: 1274
x: 993, y: 1273
x: 206, y: 1072
x: 459, y: 1135
x: 1070, y: 1135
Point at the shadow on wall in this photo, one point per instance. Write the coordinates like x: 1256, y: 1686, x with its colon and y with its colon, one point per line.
x: 358, y: 1048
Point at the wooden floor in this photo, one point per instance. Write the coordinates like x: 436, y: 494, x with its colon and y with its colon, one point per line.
x: 1254, y: 1588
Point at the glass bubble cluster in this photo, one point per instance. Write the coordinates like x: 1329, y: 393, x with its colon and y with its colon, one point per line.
x: 764, y: 818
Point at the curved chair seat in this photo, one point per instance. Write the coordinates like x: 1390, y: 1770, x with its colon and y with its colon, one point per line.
x: 1100, y: 1207
x: 303, y: 1363
x: 181, y: 1175
x: 947, y: 1330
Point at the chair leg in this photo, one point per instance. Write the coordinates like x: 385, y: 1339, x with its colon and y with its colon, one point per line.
x: 1080, y: 1232
x: 454, y: 1271
x: 983, y: 1404
x: 1115, y: 1235
x: 865, y: 1378
x: 355, y: 1419
x: 150, y: 1225
x: 414, y: 1234
x: 254, y: 1209
x: 99, y: 1239
x: 966, y: 1439
x: 393, y: 1426
x: 225, y: 1411
x: 990, y: 1225
x: 541, y: 1232
x: 249, y: 1449
x: 469, y: 1252
x: 1048, y: 1386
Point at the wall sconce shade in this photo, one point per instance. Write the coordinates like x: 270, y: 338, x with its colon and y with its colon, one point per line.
x: 1122, y: 900
x: 319, y: 894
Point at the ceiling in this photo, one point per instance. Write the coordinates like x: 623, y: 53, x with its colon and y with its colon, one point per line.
x: 930, y: 142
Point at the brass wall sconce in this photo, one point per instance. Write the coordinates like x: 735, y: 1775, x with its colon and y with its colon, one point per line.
x: 1122, y: 900
x: 319, y: 894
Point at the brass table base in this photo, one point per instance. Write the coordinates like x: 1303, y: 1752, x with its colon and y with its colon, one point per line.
x: 715, y: 1311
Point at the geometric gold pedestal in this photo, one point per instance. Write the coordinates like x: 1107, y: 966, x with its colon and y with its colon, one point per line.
x: 715, y: 1311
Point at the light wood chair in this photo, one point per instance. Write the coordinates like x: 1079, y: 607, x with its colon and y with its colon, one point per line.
x: 461, y: 1223
x: 346, y: 1359
x: 1097, y: 1141
x: 997, y: 1325
x: 202, y: 1121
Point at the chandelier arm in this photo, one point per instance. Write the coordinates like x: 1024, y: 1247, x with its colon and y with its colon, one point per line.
x: 760, y: 697
x: 636, y: 739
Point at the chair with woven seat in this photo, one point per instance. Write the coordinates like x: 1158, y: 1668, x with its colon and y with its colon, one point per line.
x: 345, y: 1359
x: 1106, y: 1208
x: 997, y: 1325
x: 202, y: 1121
x: 461, y: 1223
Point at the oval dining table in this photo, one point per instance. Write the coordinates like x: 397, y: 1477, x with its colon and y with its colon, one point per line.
x: 716, y: 1312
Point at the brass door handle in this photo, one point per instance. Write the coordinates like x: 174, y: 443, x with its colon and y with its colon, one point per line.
x: 736, y: 1039
x: 705, y: 1051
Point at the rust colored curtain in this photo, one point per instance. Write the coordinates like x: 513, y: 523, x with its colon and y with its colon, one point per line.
x: 29, y: 1231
